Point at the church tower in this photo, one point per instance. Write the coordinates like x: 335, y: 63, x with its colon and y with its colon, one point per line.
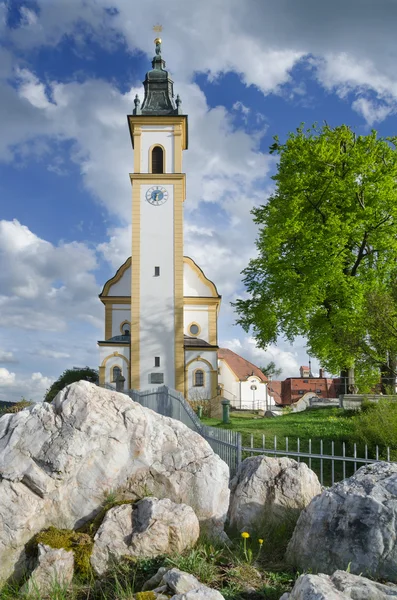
x: 159, y: 134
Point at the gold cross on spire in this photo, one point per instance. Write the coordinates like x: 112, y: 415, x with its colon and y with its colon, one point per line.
x: 158, y: 28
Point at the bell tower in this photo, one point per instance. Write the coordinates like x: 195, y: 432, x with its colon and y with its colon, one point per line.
x: 159, y: 134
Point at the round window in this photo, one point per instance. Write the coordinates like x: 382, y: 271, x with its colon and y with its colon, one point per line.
x: 194, y: 329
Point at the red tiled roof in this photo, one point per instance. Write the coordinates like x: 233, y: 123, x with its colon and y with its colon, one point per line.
x: 241, y: 367
x: 274, y: 388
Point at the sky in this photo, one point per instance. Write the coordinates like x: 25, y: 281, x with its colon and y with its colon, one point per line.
x: 245, y: 71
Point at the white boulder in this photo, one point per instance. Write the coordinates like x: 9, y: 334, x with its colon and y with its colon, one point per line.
x: 268, y: 490
x: 185, y: 586
x: 340, y: 586
x: 58, y: 461
x: 352, y: 523
x: 55, y: 569
x: 149, y: 528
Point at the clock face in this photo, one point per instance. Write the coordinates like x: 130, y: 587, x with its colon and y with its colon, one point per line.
x: 156, y: 195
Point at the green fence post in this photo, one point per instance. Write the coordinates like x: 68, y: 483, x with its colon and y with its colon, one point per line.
x: 225, y: 411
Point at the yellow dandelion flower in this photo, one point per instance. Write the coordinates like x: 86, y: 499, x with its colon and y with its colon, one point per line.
x: 260, y: 542
x: 245, y: 535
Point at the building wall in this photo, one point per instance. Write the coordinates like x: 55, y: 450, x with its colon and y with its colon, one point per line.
x: 294, y: 388
x: 122, y: 287
x: 199, y: 315
x: 120, y: 313
x: 193, y: 284
x: 108, y: 360
x: 207, y: 362
x: 153, y: 136
x: 157, y: 336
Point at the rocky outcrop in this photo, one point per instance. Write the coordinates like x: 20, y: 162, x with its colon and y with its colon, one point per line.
x: 58, y: 461
x: 352, y: 523
x: 147, y: 529
x: 340, y: 586
x: 178, y: 585
x: 268, y: 490
x: 55, y: 568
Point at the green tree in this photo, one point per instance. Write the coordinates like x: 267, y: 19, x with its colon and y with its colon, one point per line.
x: 70, y: 376
x: 270, y: 370
x: 327, y: 249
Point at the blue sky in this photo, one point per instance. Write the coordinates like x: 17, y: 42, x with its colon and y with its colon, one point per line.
x: 246, y: 71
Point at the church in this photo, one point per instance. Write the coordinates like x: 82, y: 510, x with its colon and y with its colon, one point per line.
x: 161, y: 311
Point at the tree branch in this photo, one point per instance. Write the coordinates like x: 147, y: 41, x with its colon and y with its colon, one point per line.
x: 360, y: 255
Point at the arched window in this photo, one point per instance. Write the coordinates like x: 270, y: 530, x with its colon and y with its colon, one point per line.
x: 157, y: 160
x: 199, y: 378
x: 116, y: 371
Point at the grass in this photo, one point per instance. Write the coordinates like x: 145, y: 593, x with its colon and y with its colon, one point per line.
x: 309, y: 427
x: 222, y: 567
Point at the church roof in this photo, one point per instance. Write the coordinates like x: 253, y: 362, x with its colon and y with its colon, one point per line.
x: 193, y: 342
x: 159, y: 90
x: 241, y: 367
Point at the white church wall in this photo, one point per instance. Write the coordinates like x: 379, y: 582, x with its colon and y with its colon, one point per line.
x: 107, y: 353
x: 161, y: 135
x: 157, y: 293
x: 118, y: 316
x: 199, y: 315
x: 231, y: 387
x: 253, y: 399
x: 207, y: 363
x: 192, y: 284
x: 123, y: 286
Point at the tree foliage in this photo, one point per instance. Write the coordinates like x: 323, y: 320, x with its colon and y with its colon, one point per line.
x: 270, y: 370
x: 70, y: 376
x: 327, y: 249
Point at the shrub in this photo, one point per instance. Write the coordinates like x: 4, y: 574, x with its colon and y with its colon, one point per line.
x: 376, y: 424
x: 17, y: 407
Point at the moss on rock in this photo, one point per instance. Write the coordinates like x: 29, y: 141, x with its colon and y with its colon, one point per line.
x: 80, y: 543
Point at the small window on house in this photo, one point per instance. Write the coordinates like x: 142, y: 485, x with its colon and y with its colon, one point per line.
x: 157, y: 160
x: 318, y: 392
x: 157, y: 271
x: 156, y: 361
x: 199, y: 378
x: 305, y: 381
x: 116, y: 373
x: 301, y: 392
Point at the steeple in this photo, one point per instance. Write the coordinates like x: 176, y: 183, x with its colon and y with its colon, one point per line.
x: 159, y: 90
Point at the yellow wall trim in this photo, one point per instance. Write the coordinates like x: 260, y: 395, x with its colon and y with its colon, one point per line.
x: 194, y: 334
x: 179, y: 352
x: 135, y: 382
x: 210, y: 284
x: 137, y: 149
x: 124, y: 323
x: 135, y: 121
x: 105, y: 360
x: 119, y: 273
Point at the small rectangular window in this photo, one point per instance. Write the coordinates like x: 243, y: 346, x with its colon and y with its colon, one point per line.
x: 156, y: 361
x: 157, y: 271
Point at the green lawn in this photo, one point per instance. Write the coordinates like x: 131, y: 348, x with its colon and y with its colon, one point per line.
x: 327, y: 424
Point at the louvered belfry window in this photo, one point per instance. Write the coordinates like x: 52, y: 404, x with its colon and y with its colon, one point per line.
x: 157, y: 160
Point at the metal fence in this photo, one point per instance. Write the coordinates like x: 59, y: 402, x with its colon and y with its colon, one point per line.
x: 330, y: 460
x: 329, y: 467
x: 170, y: 403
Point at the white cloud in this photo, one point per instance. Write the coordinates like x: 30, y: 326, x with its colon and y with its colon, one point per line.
x: 43, y: 286
x: 373, y: 112
x: 7, y: 357
x: 13, y: 387
x: 47, y: 353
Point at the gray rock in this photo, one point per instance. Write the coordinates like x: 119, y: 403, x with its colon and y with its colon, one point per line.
x: 340, y: 586
x: 58, y: 461
x: 187, y: 587
x: 269, y: 489
x: 353, y: 522
x: 154, y: 581
x: 147, y: 529
x: 55, y: 567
